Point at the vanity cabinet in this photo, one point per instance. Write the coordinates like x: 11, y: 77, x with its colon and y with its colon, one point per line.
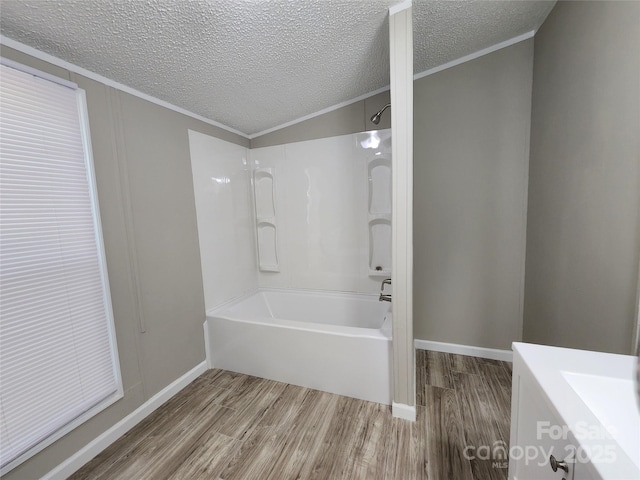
x: 581, y: 472
x: 574, y: 415
x: 538, y: 440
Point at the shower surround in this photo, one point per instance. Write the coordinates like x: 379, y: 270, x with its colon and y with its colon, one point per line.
x: 333, y: 205
x: 308, y: 223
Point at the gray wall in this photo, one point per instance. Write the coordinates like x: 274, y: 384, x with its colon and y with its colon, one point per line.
x: 583, y: 231
x: 145, y: 190
x: 471, y: 149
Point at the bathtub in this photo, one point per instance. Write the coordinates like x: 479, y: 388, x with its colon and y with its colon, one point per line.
x: 335, y: 342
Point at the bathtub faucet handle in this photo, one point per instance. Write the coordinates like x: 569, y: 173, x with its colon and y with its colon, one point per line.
x: 386, y: 281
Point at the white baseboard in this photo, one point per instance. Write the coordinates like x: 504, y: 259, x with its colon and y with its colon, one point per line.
x: 93, y: 448
x: 405, y: 412
x: 207, y: 344
x: 492, y: 353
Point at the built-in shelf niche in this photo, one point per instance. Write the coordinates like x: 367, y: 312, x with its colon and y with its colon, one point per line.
x: 379, y: 215
x: 379, y: 186
x: 380, y: 247
x: 266, y: 225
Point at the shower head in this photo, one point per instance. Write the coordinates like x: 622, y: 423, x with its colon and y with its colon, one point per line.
x: 375, y: 118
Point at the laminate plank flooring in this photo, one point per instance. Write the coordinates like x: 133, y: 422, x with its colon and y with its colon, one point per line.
x: 228, y: 426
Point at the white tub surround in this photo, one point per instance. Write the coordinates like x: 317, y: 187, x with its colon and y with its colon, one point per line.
x: 579, y: 406
x: 335, y: 342
x: 308, y: 215
x: 323, y: 212
x: 264, y: 190
x: 379, y: 210
x: 226, y: 226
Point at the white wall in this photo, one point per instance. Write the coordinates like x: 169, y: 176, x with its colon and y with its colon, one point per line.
x: 321, y: 212
x: 224, y: 207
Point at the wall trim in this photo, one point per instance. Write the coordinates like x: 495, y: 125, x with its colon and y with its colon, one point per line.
x: 401, y: 69
x: 320, y: 112
x: 474, y: 55
x: 399, y: 7
x: 635, y: 345
x: 21, y: 47
x: 121, y: 161
x: 439, y: 68
x: 102, y: 441
x: 405, y: 412
x: 482, y: 352
x: 208, y: 353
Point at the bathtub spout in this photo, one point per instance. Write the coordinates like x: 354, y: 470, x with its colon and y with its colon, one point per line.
x: 383, y: 297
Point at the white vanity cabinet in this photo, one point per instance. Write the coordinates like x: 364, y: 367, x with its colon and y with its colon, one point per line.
x: 574, y: 415
x: 582, y: 472
x: 537, y: 434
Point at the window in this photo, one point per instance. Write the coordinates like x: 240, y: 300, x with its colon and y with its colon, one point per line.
x: 58, y: 361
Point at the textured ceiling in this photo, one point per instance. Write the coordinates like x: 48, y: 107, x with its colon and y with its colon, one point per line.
x: 256, y: 64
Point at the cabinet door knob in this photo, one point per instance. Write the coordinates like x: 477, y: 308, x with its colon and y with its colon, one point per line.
x: 555, y: 464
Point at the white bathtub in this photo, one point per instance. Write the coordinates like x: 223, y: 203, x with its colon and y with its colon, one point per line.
x: 335, y: 342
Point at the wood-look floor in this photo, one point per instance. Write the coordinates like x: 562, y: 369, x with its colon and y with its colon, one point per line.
x: 230, y: 426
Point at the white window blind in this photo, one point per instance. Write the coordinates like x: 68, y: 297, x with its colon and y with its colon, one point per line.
x: 58, y: 364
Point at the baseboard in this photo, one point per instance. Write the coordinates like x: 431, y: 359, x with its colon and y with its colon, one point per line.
x: 93, y: 448
x: 492, y: 353
x: 405, y: 412
x: 207, y: 344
